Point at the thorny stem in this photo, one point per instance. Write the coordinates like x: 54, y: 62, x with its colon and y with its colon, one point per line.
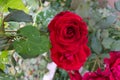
x: 98, y: 61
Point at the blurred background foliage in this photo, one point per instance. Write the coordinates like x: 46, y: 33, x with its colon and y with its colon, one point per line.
x: 24, y: 35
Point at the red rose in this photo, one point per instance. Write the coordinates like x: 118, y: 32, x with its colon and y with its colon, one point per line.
x: 98, y: 75
x: 113, y: 64
x: 68, y: 37
x: 75, y: 75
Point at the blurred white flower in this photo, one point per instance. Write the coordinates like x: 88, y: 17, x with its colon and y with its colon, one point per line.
x: 52, y: 68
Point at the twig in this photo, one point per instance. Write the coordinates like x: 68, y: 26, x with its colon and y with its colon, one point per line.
x: 10, y: 31
x: 94, y: 65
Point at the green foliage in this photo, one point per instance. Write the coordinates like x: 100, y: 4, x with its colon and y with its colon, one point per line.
x: 3, y: 42
x: 30, y: 43
x: 5, y: 4
x: 107, y: 22
x: 117, y: 5
x: 103, y: 33
x: 44, y: 17
x: 6, y: 77
x: 60, y: 4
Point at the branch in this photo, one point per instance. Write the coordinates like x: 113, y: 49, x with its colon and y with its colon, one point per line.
x: 2, y: 25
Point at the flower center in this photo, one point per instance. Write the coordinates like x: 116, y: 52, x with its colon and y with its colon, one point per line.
x: 66, y: 57
x: 69, y: 57
x: 70, y: 32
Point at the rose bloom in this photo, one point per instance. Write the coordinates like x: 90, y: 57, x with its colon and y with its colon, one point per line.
x: 68, y: 37
x: 113, y: 64
x: 98, y: 75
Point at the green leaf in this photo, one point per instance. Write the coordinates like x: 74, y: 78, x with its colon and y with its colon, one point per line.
x: 4, y: 54
x: 96, y: 45
x: 91, y: 24
x: 3, y: 59
x: 83, y: 9
x: 104, y: 33
x: 116, y: 46
x: 31, y: 43
x: 106, y: 22
x: 16, y: 4
x: 2, y: 66
x: 96, y: 17
x: 107, y: 42
x: 18, y: 16
x: 117, y: 5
